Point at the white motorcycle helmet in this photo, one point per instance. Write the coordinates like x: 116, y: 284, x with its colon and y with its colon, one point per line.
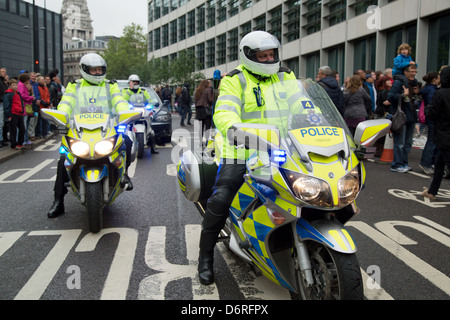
x: 134, y: 78
x: 255, y: 42
x: 92, y: 60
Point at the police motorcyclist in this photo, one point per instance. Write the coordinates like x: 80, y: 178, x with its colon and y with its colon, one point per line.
x: 93, y: 72
x: 259, y: 54
x: 134, y: 90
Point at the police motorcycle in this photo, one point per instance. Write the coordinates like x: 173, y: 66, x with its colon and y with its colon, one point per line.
x: 142, y: 128
x: 95, y: 155
x: 304, y: 173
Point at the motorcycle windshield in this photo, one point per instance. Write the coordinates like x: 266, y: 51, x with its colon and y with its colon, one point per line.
x: 93, y: 99
x: 93, y: 107
x: 304, y: 108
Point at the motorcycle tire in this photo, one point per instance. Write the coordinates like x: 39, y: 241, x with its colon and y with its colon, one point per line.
x: 94, y: 206
x: 337, y: 276
x: 140, y: 145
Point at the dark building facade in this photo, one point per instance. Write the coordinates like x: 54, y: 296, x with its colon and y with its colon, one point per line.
x: 30, y: 38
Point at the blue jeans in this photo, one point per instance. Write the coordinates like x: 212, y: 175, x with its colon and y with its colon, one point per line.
x: 402, y: 145
x: 429, y: 151
x: 1, y: 121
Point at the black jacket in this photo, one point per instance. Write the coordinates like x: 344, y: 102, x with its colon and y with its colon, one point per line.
x: 331, y: 86
x: 3, y: 88
x: 439, y: 112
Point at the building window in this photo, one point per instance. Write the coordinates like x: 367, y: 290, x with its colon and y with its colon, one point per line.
x: 165, y: 35
x: 157, y: 39
x: 337, y: 11
x: 365, y: 54
x: 211, y: 14
x: 191, y: 23
x: 336, y: 60
x: 234, y: 8
x: 260, y: 23
x: 438, y: 43
x: 312, y: 65
x: 157, y: 10
x: 174, y: 5
x: 221, y: 10
x: 201, y: 18
x: 210, y: 53
x: 173, y: 32
x: 150, y: 12
x: 293, y: 65
x: 182, y: 27
x: 150, y: 41
x: 275, y: 22
x: 165, y: 7
x: 361, y: 6
x: 312, y: 15
x: 221, y: 49
x: 200, y: 55
x: 246, y: 28
x: 292, y: 20
x: 233, y: 45
x: 246, y: 4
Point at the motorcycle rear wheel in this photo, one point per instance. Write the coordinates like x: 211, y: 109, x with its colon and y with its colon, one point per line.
x: 94, y: 206
x: 337, y: 276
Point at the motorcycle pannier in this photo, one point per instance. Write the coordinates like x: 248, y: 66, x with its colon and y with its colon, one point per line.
x: 196, y: 176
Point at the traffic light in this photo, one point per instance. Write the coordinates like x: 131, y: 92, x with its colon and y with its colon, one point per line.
x: 37, y: 62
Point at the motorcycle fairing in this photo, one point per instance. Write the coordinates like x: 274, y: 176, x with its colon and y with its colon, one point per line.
x: 93, y: 174
x: 328, y: 232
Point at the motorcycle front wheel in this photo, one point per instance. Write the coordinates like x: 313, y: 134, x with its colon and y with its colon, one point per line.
x: 337, y: 276
x: 94, y: 206
x: 140, y: 144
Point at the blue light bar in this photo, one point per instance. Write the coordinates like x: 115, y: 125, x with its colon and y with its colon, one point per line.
x: 279, y: 156
x: 121, y: 128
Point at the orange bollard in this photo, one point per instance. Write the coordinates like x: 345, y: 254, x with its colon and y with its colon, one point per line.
x: 388, y: 151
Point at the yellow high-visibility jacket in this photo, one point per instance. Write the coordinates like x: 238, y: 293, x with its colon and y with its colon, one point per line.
x: 238, y: 103
x: 141, y: 96
x: 81, y: 93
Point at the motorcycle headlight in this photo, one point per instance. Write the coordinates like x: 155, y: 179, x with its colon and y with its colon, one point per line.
x: 104, y: 147
x: 79, y: 148
x: 348, y: 187
x: 309, y: 189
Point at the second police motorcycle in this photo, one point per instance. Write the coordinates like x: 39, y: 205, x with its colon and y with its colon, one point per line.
x: 304, y: 173
x: 95, y: 155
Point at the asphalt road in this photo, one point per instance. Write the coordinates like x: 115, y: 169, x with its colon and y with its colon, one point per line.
x: 149, y: 245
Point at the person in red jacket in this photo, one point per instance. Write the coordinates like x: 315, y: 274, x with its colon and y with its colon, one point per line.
x: 14, y: 110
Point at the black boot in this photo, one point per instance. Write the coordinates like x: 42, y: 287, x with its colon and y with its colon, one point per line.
x: 153, y: 150
x: 206, y: 257
x: 57, y: 208
x: 126, y: 180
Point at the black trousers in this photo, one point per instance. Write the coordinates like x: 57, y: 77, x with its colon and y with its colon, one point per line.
x: 230, y: 178
x: 442, y: 159
x: 61, y: 174
x: 17, y: 124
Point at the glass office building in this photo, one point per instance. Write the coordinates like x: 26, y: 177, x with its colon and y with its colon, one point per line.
x: 344, y: 34
x: 27, y: 46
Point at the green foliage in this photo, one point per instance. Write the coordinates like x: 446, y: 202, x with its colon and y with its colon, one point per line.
x: 128, y: 55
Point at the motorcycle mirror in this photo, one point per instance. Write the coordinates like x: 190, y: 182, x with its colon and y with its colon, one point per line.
x: 125, y: 117
x: 369, y: 131
x: 57, y: 117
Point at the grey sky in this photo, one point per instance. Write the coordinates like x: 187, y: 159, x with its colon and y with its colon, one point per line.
x: 109, y: 16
